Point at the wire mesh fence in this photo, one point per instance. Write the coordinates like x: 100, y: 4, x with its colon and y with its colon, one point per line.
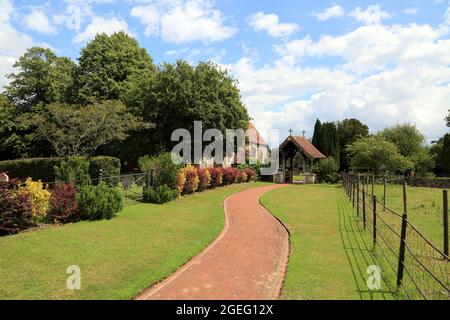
x: 421, y: 267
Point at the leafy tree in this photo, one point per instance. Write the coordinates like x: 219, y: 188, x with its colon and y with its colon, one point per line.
x: 436, y: 154
x: 377, y: 154
x: 107, y: 64
x: 317, y: 136
x: 76, y: 130
x: 329, y: 141
x: 408, y: 139
x: 163, y: 168
x: 423, y: 162
x: 349, y: 130
x: 41, y: 78
x: 179, y: 95
x: 448, y: 118
x: 326, y: 170
x: 445, y: 155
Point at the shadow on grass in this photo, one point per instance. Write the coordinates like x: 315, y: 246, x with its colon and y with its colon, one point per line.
x: 359, y: 251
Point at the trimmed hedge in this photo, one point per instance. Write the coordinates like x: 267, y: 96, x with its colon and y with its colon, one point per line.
x: 43, y: 168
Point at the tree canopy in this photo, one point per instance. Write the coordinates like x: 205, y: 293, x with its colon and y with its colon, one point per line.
x: 349, y: 130
x: 408, y: 139
x: 75, y: 130
x: 378, y: 155
x: 447, y: 119
x: 41, y: 78
x: 107, y: 64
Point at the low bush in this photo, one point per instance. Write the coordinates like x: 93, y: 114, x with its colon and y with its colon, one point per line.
x: 327, y: 170
x: 163, y: 168
x: 241, y: 176
x: 216, y: 177
x: 43, y: 168
x: 192, y: 180
x: 181, y: 180
x: 160, y: 194
x: 74, y: 169
x: 63, y: 204
x: 204, y: 179
x: 15, y: 209
x: 98, y: 202
x: 229, y: 175
x: 251, y: 174
x: 39, y: 198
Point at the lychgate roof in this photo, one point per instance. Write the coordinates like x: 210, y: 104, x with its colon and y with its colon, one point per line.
x: 303, y: 144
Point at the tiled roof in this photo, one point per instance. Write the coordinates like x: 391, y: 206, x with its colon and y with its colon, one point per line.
x: 307, y: 147
x: 259, y: 139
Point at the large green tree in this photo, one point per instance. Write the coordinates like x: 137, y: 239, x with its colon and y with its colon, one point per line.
x: 106, y: 66
x: 78, y: 130
x: 448, y: 118
x: 41, y: 78
x: 317, y: 136
x: 445, y: 154
x: 378, y: 155
x: 329, y: 141
x: 408, y: 139
x: 179, y: 95
x: 349, y: 130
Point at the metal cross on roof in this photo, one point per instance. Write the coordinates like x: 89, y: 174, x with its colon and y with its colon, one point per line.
x: 290, y: 132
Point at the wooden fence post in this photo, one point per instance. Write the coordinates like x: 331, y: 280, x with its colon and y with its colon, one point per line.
x: 357, y: 196
x: 374, y: 222
x: 401, y: 255
x: 373, y: 184
x: 364, y: 208
x: 405, y: 204
x: 353, y: 191
x: 445, y: 220
x: 384, y: 193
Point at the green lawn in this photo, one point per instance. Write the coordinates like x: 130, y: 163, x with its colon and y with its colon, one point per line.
x: 118, y: 258
x: 329, y: 253
x: 424, y: 209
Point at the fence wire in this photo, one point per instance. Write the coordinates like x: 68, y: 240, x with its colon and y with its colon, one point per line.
x: 425, y: 268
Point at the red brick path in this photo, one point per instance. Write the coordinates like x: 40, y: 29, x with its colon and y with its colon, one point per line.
x: 247, y: 261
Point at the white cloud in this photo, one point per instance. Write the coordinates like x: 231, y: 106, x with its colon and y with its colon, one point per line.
x: 183, y: 21
x: 411, y: 11
x: 372, y: 15
x: 388, y: 74
x: 38, y: 21
x: 13, y: 42
x: 101, y: 24
x: 270, y: 23
x: 334, y: 11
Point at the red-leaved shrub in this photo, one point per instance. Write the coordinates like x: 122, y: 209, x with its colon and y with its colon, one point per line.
x: 204, y: 179
x: 216, y: 177
x: 241, y: 176
x: 15, y: 209
x: 251, y: 174
x: 63, y: 203
x: 229, y: 175
x: 192, y: 181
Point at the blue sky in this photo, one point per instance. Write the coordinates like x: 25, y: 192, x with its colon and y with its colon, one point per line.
x: 380, y: 61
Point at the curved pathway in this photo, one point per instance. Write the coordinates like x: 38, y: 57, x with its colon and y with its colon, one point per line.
x: 247, y: 261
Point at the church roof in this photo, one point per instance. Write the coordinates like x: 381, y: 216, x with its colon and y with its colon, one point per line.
x: 256, y: 139
x: 302, y: 143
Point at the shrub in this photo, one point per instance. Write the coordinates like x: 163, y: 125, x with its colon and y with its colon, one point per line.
x: 251, y: 174
x: 98, y: 202
x: 74, y: 169
x: 39, y: 198
x: 160, y: 194
x: 164, y: 170
x: 229, y: 175
x: 43, y: 168
x: 192, y: 180
x: 63, y: 204
x: 204, y: 179
x: 326, y: 170
x: 216, y: 177
x: 15, y: 209
x: 35, y: 168
x: 108, y: 166
x: 241, y: 176
x: 181, y: 180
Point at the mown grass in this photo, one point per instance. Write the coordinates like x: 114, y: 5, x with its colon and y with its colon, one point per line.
x: 425, y: 209
x: 118, y: 258
x: 329, y: 253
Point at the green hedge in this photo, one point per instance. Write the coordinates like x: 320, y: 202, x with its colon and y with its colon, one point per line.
x: 43, y: 168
